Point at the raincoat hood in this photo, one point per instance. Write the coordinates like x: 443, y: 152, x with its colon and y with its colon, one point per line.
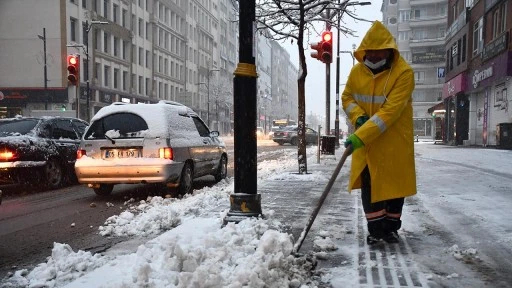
x: 378, y: 37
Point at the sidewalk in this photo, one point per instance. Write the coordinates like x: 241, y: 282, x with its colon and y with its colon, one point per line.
x: 344, y: 255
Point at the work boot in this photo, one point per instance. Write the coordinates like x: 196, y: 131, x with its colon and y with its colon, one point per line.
x: 391, y: 237
x: 370, y: 239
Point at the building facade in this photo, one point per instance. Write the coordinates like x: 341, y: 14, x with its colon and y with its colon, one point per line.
x: 131, y: 51
x: 419, y: 28
x: 479, y: 69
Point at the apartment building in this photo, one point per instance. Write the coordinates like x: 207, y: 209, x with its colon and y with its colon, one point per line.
x: 419, y: 28
x: 131, y: 51
x: 284, y: 77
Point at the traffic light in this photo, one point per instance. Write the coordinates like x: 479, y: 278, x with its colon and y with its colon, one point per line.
x: 318, y: 47
x: 327, y: 47
x: 73, y: 69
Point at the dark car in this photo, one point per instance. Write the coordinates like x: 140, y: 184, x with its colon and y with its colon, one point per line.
x: 288, y: 134
x: 39, y: 151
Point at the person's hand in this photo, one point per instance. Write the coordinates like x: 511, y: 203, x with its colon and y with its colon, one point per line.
x: 353, y: 141
x: 361, y: 120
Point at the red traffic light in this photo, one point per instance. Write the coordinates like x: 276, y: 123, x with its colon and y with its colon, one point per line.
x: 318, y: 47
x: 326, y: 55
x: 73, y: 69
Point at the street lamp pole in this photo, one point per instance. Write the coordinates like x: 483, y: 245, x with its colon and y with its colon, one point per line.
x: 88, y: 88
x: 45, y: 69
x: 208, y: 95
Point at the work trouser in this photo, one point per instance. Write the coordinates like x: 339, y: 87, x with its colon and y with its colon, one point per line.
x: 383, y: 217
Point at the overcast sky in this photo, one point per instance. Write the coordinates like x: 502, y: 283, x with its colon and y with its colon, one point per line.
x: 315, y: 80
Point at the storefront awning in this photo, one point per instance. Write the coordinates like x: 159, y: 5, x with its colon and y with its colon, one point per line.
x: 439, y: 107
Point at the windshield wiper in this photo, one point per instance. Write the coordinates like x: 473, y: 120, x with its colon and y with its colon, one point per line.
x: 111, y: 140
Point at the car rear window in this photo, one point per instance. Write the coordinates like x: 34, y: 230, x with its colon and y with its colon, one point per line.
x: 119, y: 125
x: 17, y: 127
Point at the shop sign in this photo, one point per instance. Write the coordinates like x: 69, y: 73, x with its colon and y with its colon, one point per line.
x: 495, y: 47
x: 429, y: 55
x: 478, y: 75
x: 105, y: 97
x: 454, y: 86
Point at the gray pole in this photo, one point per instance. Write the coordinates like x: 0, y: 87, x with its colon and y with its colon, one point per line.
x: 208, y: 100
x: 328, y: 88
x: 88, y: 89
x: 45, y: 70
x: 337, y: 120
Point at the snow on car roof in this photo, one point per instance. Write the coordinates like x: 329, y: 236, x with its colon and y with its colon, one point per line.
x: 158, y: 125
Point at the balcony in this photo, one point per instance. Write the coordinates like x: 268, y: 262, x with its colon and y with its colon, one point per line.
x: 427, y: 21
x: 426, y: 2
x: 456, y: 25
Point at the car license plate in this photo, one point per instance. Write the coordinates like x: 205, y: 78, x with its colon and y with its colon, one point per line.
x: 122, y: 153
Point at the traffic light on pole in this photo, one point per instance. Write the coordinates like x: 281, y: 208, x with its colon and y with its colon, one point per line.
x: 326, y: 47
x: 73, y: 68
x: 318, y: 47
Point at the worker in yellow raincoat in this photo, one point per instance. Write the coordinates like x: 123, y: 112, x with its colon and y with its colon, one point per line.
x: 378, y: 101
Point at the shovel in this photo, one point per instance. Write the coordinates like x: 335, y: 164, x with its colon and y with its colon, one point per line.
x: 327, y: 189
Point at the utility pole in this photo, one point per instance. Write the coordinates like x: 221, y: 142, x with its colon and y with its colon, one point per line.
x: 45, y: 69
x: 328, y: 84
x: 245, y: 202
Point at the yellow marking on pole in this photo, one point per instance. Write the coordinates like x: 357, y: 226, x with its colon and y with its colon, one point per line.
x: 246, y: 69
x: 244, y: 208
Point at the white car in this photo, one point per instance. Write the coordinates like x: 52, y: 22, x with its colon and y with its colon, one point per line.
x: 163, y: 143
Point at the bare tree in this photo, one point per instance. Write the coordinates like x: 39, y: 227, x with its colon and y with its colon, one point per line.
x: 295, y: 19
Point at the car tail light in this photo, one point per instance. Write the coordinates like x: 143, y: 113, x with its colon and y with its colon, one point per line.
x: 7, y: 155
x: 285, y: 133
x: 166, y: 153
x: 80, y: 153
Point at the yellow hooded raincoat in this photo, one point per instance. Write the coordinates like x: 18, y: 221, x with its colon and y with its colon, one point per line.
x: 388, y: 135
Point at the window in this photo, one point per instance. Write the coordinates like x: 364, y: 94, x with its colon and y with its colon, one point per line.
x: 201, y: 127
x: 125, y: 80
x: 106, y: 76
x: 116, y: 46
x: 416, y: 14
x: 463, y: 49
x: 141, y: 28
x: 148, y: 60
x: 141, y: 56
x: 392, y: 2
x: 478, y: 39
x: 403, y: 35
x: 84, y: 4
x: 123, y: 17
x: 406, y: 55
x: 419, y: 76
x: 116, y: 78
x: 115, y: 13
x: 105, y: 8
x: 405, y: 15
x: 105, y: 42
x: 141, y: 84
x: 499, y: 20
x: 147, y: 86
x: 72, y: 29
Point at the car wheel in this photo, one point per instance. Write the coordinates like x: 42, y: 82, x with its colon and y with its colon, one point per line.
x: 53, y: 174
x: 104, y: 189
x: 294, y: 141
x: 186, y: 181
x: 222, y: 171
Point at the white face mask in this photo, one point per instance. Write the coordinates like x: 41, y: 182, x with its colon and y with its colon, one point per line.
x: 375, y: 66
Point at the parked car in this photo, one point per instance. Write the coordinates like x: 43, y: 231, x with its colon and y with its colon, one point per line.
x: 273, y: 129
x: 39, y: 150
x: 288, y: 134
x: 165, y: 143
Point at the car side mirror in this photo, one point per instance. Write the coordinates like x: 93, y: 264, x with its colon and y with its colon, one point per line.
x: 214, y: 134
